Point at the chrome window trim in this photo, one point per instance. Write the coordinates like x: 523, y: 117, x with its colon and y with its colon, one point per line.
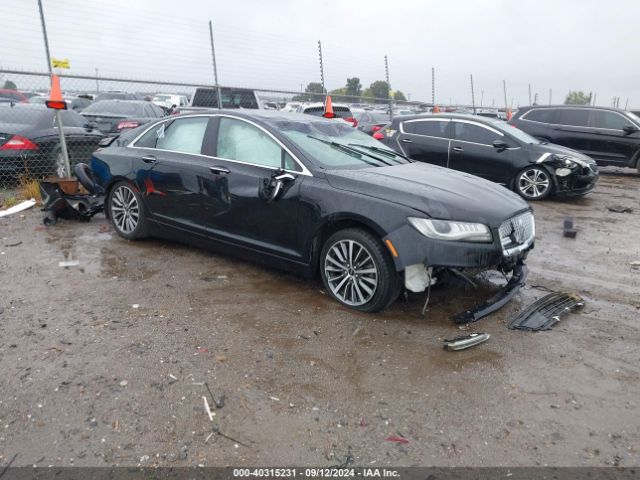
x: 417, y: 120
x: 305, y: 171
x: 524, y: 115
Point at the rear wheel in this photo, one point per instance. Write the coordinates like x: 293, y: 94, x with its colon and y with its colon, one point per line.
x: 126, y: 211
x: 533, y: 183
x: 357, y: 270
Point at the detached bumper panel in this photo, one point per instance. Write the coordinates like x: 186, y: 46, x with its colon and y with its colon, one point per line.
x: 517, y: 281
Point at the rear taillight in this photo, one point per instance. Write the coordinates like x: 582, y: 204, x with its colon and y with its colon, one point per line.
x: 352, y: 121
x: 375, y: 128
x: 127, y: 124
x: 378, y: 135
x: 18, y: 142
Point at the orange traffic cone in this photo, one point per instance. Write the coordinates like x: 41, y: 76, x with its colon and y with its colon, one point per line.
x: 509, y: 114
x: 328, y: 108
x: 436, y: 109
x: 55, y: 97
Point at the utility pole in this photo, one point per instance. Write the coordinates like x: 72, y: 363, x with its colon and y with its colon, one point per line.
x: 529, y: 94
x: 504, y: 88
x: 481, y: 98
x: 324, y: 90
x: 433, y: 86
x: 594, y: 99
x: 473, y: 100
x: 550, y: 93
x: 386, y: 73
x: 215, y: 67
x: 626, y: 104
x: 97, y: 82
x: 63, y: 141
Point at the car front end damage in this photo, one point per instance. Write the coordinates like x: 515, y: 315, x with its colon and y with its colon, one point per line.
x: 427, y: 249
x: 573, y: 176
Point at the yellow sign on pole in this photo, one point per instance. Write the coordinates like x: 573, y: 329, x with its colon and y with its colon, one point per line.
x: 60, y: 63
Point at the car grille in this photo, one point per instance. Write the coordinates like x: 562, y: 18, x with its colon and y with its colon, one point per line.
x: 517, y: 233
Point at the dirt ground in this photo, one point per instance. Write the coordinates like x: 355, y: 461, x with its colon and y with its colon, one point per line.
x: 107, y: 362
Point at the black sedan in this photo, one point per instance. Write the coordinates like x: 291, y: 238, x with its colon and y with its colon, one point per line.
x: 29, y: 140
x: 114, y: 116
x: 306, y: 194
x: 494, y: 150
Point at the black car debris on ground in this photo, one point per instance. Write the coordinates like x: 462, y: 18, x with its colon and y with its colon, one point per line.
x: 113, y: 116
x: 608, y: 135
x: 494, y: 150
x: 29, y: 140
x: 307, y: 194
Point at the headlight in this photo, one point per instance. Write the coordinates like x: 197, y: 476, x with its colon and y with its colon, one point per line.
x: 563, y: 172
x: 444, y: 230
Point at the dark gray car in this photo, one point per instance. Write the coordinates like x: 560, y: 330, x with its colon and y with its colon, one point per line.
x: 114, y: 116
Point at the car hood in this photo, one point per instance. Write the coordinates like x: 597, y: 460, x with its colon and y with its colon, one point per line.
x: 438, y: 192
x: 537, y: 150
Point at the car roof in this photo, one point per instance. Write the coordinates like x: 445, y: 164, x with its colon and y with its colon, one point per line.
x: 266, y: 116
x: 459, y: 116
x: 593, y: 107
x: 321, y: 104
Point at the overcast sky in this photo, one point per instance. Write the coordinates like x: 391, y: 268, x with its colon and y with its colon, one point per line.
x: 561, y: 45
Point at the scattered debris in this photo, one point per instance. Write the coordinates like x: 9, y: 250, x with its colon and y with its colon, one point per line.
x: 6, y: 467
x: 569, y: 231
x: 275, y: 399
x: 124, y: 383
x: 69, y: 263
x: 348, y: 459
x: 217, y: 431
x: 207, y: 409
x: 135, y: 305
x: 397, y: 439
x: 13, y: 244
x: 18, y: 208
x: 463, y: 342
x: 620, y: 209
x: 635, y: 264
x: 219, y: 403
x: 65, y: 198
x: 546, y: 311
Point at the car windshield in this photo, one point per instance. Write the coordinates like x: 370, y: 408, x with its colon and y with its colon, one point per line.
x: 515, y: 132
x: 21, y: 115
x: 107, y: 107
x: 336, y: 145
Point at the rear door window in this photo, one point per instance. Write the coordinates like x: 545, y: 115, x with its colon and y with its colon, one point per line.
x: 438, y: 128
x: 574, y: 117
x: 539, y: 115
x: 184, y: 135
x: 469, y: 132
x: 609, y: 120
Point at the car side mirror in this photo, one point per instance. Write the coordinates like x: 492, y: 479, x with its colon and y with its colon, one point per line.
x: 278, y: 181
x: 629, y: 129
x: 500, y: 145
x: 91, y: 126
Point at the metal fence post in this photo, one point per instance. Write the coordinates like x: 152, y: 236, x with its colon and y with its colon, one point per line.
x: 504, y: 88
x: 433, y: 86
x: 386, y: 73
x: 215, y: 68
x: 550, y: 92
x: 473, y: 98
x: 529, y: 94
x: 324, y: 90
x: 63, y: 142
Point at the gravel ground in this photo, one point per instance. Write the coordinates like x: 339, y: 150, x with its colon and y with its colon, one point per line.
x: 107, y: 362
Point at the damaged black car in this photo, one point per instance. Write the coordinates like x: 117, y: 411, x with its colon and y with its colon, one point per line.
x: 312, y: 195
x: 495, y: 150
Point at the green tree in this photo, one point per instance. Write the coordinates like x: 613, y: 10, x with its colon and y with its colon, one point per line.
x: 339, y: 95
x: 577, y: 98
x: 313, y: 92
x: 8, y: 84
x: 354, y: 88
x: 378, y: 89
x: 399, y: 96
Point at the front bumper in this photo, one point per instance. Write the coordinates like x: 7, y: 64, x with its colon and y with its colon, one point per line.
x: 579, y: 183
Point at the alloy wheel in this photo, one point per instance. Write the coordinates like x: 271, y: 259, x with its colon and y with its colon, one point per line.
x: 533, y: 183
x: 351, y: 272
x: 125, y: 209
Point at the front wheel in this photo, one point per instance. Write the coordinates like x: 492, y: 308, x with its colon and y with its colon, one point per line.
x: 357, y: 271
x: 533, y: 183
x: 126, y: 211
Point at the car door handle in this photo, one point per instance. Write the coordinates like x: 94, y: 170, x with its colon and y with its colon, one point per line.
x: 149, y: 159
x: 458, y: 149
x: 219, y: 170
x: 406, y: 140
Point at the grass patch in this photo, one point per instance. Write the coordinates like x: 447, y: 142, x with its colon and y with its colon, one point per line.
x: 10, y: 201
x: 29, y: 187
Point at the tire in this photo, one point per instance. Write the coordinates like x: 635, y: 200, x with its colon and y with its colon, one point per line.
x: 371, y: 284
x: 85, y: 177
x: 126, y: 211
x: 533, y: 183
